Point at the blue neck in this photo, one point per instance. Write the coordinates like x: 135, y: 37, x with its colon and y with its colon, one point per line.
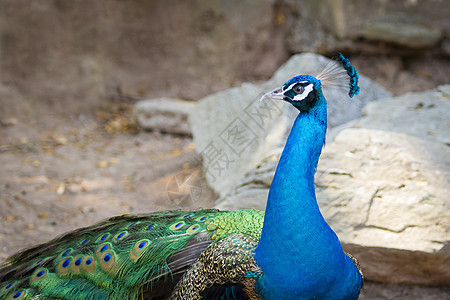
x: 298, y: 252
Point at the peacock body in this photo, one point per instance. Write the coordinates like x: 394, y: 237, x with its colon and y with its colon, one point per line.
x: 287, y: 252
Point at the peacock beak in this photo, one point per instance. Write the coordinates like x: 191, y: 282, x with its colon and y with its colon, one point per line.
x: 276, y: 94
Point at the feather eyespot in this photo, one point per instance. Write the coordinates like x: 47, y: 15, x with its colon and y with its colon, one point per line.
x: 201, y: 219
x: 107, y: 261
x: 132, y: 224
x: 186, y: 216
x: 139, y: 249
x: 18, y: 295
x: 75, y: 264
x: 102, y: 248
x: 88, y: 264
x: 62, y: 267
x: 42, y: 261
x: 177, y: 226
x: 38, y: 275
x: 120, y: 236
x: 64, y: 254
x: 84, y: 242
x: 149, y: 227
x: 7, y: 287
x: 103, y: 238
x: 193, y: 229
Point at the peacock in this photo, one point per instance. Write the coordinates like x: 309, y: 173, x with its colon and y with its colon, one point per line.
x: 286, y: 252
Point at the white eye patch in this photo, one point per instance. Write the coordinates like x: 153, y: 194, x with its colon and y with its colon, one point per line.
x: 302, y: 92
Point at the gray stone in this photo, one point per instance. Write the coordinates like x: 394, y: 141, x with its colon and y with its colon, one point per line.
x: 385, y: 189
x: 164, y: 114
x: 413, y: 35
x: 388, y: 193
x: 425, y: 115
x: 409, y: 23
x: 233, y: 131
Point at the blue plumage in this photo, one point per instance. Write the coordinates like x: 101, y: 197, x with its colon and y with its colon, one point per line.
x: 299, y: 254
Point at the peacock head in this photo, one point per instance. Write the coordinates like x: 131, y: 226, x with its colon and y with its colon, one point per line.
x: 304, y: 91
x: 301, y: 91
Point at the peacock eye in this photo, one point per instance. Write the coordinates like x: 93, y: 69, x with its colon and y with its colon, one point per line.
x: 298, y: 88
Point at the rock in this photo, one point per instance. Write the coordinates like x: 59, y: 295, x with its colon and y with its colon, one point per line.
x: 308, y: 35
x: 412, y: 35
x: 164, y: 114
x: 233, y: 131
x: 425, y: 115
x: 403, y: 266
x: 385, y: 189
x: 414, y: 24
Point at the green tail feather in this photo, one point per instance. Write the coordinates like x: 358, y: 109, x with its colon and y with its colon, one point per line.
x: 120, y: 257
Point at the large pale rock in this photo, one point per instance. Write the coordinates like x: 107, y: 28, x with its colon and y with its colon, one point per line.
x: 425, y: 115
x: 164, y: 114
x: 414, y: 24
x: 233, y: 131
x: 384, y: 189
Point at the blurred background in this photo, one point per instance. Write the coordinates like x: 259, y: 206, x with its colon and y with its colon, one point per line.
x: 72, y: 149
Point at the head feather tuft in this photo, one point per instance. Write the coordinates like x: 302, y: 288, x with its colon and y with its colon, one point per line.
x: 337, y: 73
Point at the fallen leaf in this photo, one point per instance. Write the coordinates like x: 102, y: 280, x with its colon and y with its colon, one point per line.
x: 43, y: 215
x: 29, y: 226
x: 36, y: 163
x: 10, y: 218
x: 102, y: 164
x: 176, y: 152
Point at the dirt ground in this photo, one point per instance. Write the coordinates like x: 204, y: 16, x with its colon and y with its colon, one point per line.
x: 58, y: 178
